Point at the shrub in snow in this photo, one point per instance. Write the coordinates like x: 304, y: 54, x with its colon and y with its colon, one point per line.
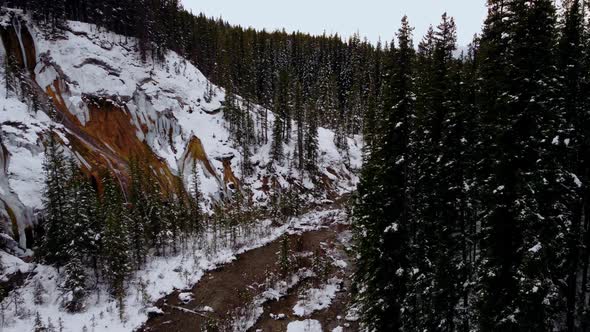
x: 321, y: 265
x: 39, y: 325
x: 285, y: 260
x: 39, y: 293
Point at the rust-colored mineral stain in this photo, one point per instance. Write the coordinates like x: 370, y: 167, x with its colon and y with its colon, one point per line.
x: 55, y: 92
x: 110, y: 125
x: 228, y: 174
x: 108, y: 140
x: 196, y: 151
x: 29, y: 46
x: 12, y: 45
x: 94, y: 161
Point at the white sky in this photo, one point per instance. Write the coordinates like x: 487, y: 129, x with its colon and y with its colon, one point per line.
x: 371, y: 18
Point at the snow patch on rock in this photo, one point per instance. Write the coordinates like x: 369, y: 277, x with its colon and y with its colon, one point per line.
x: 308, y: 325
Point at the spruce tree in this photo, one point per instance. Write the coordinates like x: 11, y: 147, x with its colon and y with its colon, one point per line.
x: 54, y: 245
x: 116, y: 241
x: 422, y: 163
x: 370, y: 124
x: 311, y: 140
x: 231, y: 111
x: 39, y: 293
x: 39, y: 326
x: 583, y: 128
x: 137, y: 217
x: 519, y: 180
x: 247, y: 139
x: 299, y: 120
x: 573, y: 75
x: 447, y: 179
x: 74, y: 286
x: 496, y: 281
x: 382, y: 218
x: 285, y: 259
x: 81, y: 228
x: 276, y: 151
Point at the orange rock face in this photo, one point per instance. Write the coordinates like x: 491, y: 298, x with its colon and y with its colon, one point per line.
x: 108, y: 140
x: 196, y: 151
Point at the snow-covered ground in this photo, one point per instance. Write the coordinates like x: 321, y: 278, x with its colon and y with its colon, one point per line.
x: 161, y: 276
x: 315, y: 299
x: 280, y: 289
x: 166, y: 105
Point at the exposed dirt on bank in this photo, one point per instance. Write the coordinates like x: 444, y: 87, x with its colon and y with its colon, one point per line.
x: 332, y: 317
x: 231, y: 290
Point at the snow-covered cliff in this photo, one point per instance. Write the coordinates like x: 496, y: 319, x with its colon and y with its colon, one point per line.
x: 111, y: 106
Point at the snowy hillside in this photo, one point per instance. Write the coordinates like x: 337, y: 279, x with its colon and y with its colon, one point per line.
x: 112, y: 107
x: 42, y: 293
x: 91, y: 90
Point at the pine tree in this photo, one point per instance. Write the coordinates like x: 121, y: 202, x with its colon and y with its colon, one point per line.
x: 180, y: 209
x: 54, y: 246
x: 495, y: 278
x: 311, y: 140
x: 573, y: 147
x: 276, y: 150
x: 50, y: 326
x: 583, y: 127
x: 382, y: 219
x: 137, y: 217
x: 116, y: 242
x: 518, y: 188
x: 444, y: 175
x: 231, y: 112
x: 370, y: 125
x: 74, y: 286
x: 469, y: 205
x: 154, y: 215
x: 57, y: 10
x: 422, y: 162
x: 246, y: 139
x: 285, y: 259
x: 326, y: 99
x: 60, y: 325
x: 39, y: 326
x: 299, y: 113
x: 38, y: 293
x: 81, y: 225
x: 17, y: 301
x: 282, y: 122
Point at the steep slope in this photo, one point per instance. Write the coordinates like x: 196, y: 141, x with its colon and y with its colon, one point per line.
x: 111, y: 107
